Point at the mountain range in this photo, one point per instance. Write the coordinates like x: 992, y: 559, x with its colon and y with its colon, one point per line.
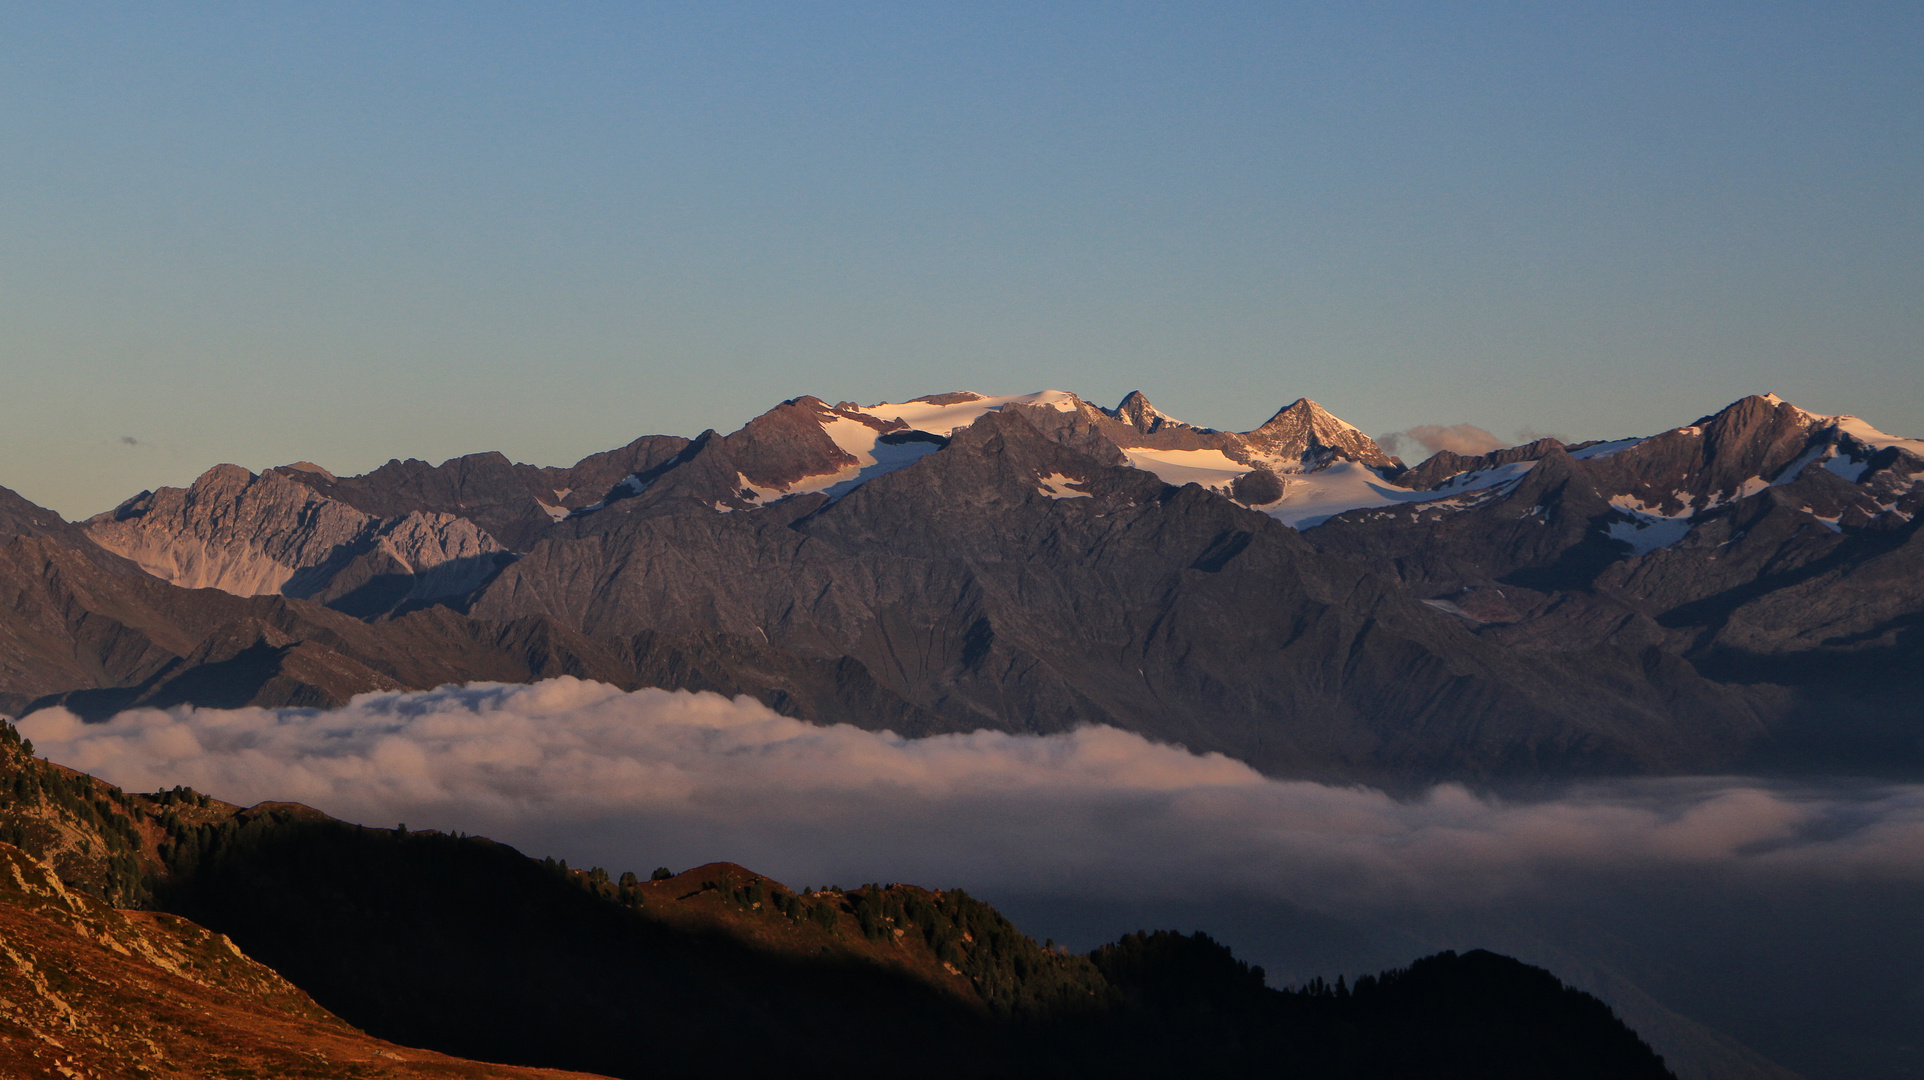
x: 1741, y: 592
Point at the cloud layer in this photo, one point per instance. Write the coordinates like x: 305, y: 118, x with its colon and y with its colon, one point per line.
x: 632, y: 780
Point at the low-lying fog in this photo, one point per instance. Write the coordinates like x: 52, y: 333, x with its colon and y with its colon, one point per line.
x: 1784, y: 914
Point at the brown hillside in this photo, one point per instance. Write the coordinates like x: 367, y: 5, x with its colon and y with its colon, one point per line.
x: 89, y: 991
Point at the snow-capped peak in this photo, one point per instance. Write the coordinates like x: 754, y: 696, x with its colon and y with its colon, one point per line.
x: 1306, y: 436
x: 1847, y: 424
x: 1303, y: 411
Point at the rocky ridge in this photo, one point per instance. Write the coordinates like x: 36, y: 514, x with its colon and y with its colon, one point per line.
x: 269, y: 535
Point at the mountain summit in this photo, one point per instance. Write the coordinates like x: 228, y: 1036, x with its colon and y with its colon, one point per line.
x: 1135, y: 410
x: 1304, y: 436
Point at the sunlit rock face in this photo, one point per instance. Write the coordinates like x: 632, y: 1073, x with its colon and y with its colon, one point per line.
x: 269, y: 535
x: 1305, y: 436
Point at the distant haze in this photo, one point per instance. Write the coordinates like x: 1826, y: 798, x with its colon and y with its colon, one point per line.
x: 345, y: 232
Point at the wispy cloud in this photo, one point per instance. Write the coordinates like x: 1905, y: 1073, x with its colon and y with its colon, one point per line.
x: 1431, y: 438
x: 631, y: 780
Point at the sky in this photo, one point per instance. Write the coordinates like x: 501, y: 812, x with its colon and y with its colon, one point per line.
x: 348, y: 232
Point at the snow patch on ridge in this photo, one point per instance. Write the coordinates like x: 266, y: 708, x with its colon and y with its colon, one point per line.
x: 1309, y: 499
x: 876, y: 453
x: 1449, y: 608
x: 881, y: 458
x: 853, y: 437
x: 1832, y: 523
x: 1647, y: 534
x: 948, y: 417
x: 873, y: 457
x: 1649, y: 528
x: 1863, y: 432
x: 1846, y: 468
x: 750, y: 491
x: 1796, y: 468
x: 1604, y: 450
x: 1636, y: 507
x: 1212, y: 469
x: 631, y: 483
x: 1056, y: 486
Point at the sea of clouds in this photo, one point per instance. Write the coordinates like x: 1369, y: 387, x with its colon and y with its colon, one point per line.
x: 631, y: 780
x: 1784, y: 911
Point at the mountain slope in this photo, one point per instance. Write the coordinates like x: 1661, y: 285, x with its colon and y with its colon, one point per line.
x: 96, y: 992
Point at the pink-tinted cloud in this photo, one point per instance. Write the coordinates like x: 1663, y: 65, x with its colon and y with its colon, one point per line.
x: 1466, y: 439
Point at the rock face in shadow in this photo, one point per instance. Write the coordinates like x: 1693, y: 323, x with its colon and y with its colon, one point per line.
x: 19, y: 517
x: 1743, y: 591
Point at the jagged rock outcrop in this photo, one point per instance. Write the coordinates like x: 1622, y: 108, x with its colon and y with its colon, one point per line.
x: 514, y: 503
x: 1135, y: 410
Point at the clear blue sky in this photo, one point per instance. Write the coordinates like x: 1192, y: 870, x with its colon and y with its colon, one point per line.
x: 262, y: 233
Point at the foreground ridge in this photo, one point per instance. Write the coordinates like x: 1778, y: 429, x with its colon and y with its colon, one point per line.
x: 467, y: 947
